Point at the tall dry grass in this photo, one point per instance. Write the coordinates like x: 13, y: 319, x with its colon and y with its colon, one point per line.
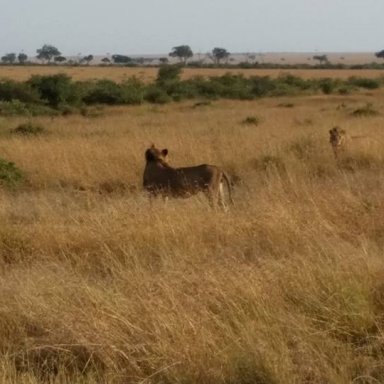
x: 98, y: 287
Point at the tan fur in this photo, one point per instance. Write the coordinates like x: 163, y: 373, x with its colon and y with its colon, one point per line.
x: 337, y: 139
x: 340, y: 140
x: 162, y: 179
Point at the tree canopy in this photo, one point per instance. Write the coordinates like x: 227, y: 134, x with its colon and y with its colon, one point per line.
x: 47, y: 52
x: 22, y: 57
x: 219, y: 54
x: 321, y: 58
x: 182, y: 52
x: 9, y: 58
x: 121, y: 59
x: 87, y: 59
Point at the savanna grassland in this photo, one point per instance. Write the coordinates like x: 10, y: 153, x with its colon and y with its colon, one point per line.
x: 119, y: 74
x: 287, y: 287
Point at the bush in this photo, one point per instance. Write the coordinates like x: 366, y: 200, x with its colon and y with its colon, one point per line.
x: 14, y: 108
x: 55, y: 89
x: 132, y: 91
x: 11, y: 90
x: 18, y: 108
x: 168, y: 73
x: 364, y: 83
x: 104, y: 92
x: 294, y: 82
x: 157, y: 95
x: 262, y: 86
x: 10, y: 175
x: 327, y: 85
x: 111, y: 93
x: 29, y: 129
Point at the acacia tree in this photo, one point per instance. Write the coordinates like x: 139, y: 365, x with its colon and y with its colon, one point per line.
x: 380, y: 54
x: 121, y: 59
x: 322, y: 59
x: 219, y: 54
x: 22, y: 57
x: 47, y: 52
x: 182, y: 52
x: 87, y: 59
x: 9, y: 58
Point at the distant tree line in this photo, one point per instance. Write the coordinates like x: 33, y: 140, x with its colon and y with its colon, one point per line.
x: 219, y: 56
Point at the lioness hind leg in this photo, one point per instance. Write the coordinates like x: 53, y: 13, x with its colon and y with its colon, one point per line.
x: 212, y: 197
x: 221, y: 199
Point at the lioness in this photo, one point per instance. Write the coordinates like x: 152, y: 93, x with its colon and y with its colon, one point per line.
x: 162, y: 179
x: 339, y: 140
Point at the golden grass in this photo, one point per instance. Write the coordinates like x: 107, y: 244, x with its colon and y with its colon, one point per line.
x: 22, y: 73
x: 97, y: 287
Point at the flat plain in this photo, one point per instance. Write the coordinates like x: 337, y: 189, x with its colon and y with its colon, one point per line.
x: 118, y: 74
x: 287, y: 287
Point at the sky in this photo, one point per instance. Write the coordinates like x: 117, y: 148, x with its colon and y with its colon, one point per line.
x: 155, y: 26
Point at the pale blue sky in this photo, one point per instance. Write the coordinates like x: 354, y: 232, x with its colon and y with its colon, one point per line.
x: 155, y: 26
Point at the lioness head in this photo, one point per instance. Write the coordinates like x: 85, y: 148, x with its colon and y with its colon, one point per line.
x: 153, y: 154
x: 336, y: 136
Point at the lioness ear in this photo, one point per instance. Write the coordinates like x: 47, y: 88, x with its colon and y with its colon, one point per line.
x: 330, y: 131
x: 164, y: 152
x: 153, y: 145
x: 342, y: 131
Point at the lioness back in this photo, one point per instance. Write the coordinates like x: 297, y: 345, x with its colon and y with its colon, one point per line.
x: 161, y: 178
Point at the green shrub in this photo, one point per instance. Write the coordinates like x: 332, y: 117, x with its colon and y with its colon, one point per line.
x: 205, y: 87
x: 261, y: 85
x: 327, y: 85
x: 294, y: 82
x: 10, y: 175
x: 157, y: 95
x: 111, y: 93
x: 132, y: 91
x: 55, y: 89
x: 29, y: 129
x: 168, y: 73
x: 364, y: 83
x: 11, y: 90
x: 104, y: 92
x: 14, y: 108
x: 345, y: 90
x: 18, y: 108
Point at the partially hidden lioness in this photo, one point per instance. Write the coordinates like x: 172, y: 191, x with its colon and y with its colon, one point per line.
x: 339, y: 140
x: 162, y: 179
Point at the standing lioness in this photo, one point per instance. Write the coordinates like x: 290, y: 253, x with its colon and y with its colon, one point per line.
x: 340, y: 139
x: 337, y: 139
x: 162, y: 179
